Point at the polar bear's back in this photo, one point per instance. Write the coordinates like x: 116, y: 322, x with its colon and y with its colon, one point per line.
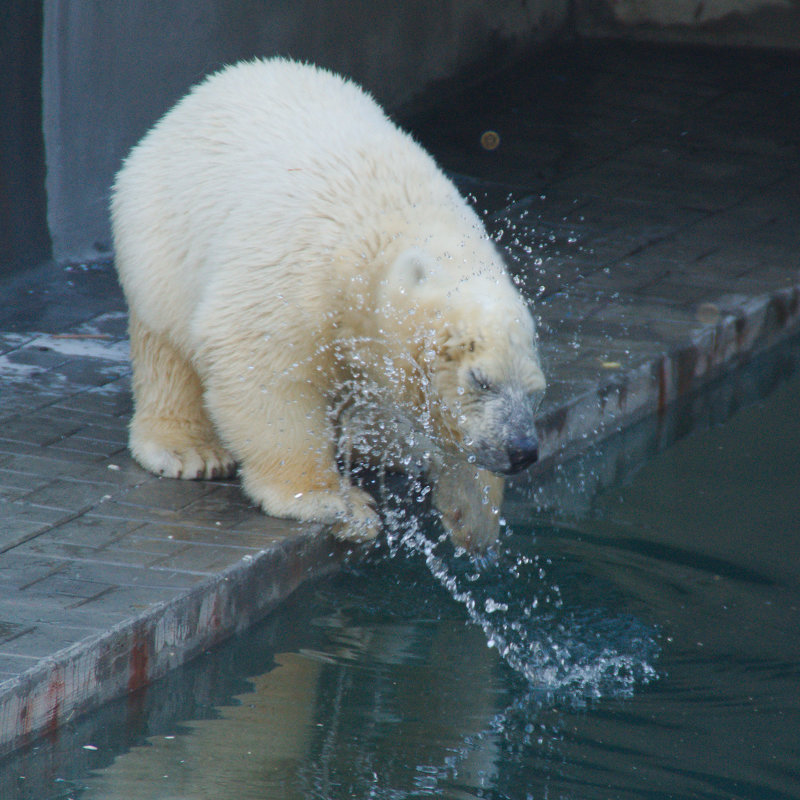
x: 262, y: 160
x: 274, y: 110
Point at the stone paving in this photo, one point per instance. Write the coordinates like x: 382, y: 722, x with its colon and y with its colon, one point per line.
x: 648, y: 199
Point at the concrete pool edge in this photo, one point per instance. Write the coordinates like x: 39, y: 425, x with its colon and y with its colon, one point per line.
x: 567, y: 486
x: 142, y: 648
x: 133, y: 653
x: 746, y: 326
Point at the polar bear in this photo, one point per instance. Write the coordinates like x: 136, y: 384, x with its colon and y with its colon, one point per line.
x: 288, y: 255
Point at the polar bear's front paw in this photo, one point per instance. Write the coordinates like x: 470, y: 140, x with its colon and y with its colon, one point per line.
x: 469, y: 503
x: 360, y: 522
x: 350, y: 513
x: 181, y: 460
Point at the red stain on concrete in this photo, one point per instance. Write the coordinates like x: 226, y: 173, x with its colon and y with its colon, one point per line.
x: 25, y: 719
x: 139, y: 660
x: 686, y: 364
x: 740, y: 327
x: 54, y: 698
x: 216, y: 618
x: 663, y: 397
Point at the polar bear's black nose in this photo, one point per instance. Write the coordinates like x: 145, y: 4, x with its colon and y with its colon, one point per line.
x: 522, y: 452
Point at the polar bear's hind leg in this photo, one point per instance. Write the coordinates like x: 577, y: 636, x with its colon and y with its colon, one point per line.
x: 170, y: 433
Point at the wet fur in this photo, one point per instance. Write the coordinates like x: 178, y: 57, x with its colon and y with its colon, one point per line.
x: 280, y: 241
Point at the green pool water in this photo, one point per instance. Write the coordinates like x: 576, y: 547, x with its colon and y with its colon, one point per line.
x: 646, y: 648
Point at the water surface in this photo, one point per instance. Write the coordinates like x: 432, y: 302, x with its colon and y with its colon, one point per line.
x: 648, y: 649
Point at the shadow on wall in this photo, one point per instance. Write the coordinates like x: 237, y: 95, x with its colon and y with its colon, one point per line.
x: 111, y: 69
x: 24, y: 240
x: 90, y: 78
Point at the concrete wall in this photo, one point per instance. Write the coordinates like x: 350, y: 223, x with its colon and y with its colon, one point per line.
x: 23, y: 230
x: 736, y: 23
x: 83, y: 80
x: 112, y: 68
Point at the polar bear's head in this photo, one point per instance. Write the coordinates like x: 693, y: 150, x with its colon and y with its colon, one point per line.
x: 475, y: 343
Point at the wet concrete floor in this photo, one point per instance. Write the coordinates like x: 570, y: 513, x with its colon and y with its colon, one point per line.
x: 647, y: 198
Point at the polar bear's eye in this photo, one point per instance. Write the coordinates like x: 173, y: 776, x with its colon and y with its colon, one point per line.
x: 481, y: 381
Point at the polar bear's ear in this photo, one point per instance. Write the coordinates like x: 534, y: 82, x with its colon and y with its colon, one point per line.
x: 413, y: 268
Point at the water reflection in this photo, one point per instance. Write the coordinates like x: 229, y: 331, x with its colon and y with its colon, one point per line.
x: 392, y: 690
x: 371, y: 714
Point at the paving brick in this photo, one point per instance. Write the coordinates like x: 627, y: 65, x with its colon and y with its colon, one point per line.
x: 21, y: 520
x: 13, y: 341
x: 255, y: 532
x: 11, y: 630
x: 165, y: 494
x: 119, y: 470
x: 38, y: 356
x: 12, y: 666
x: 50, y: 547
x: 45, y: 640
x: 68, y: 495
x: 19, y: 571
x: 68, y: 588
x: 29, y: 610
x: 110, y: 400
x: 95, y: 373
x: 38, y: 460
x: 92, y: 530
x: 206, y: 558
x: 113, y: 430
x: 89, y: 446
x: 223, y: 503
x: 10, y: 494
x: 39, y: 431
x: 14, y: 479
x: 125, y: 602
x: 140, y: 543
x: 97, y: 577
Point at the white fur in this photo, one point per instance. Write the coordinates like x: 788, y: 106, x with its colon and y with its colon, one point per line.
x: 278, y: 239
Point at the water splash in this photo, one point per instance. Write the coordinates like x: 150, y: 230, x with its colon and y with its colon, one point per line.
x: 562, y: 652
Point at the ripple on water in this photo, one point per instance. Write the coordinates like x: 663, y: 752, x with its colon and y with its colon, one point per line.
x: 574, y: 651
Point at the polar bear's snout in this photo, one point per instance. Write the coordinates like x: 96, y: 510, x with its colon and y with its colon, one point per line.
x: 508, y: 443
x: 519, y: 445
x: 518, y: 453
x: 522, y: 452
x: 522, y: 444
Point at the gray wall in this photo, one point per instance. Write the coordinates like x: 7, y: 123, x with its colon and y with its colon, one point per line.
x: 84, y: 79
x: 112, y: 68
x: 23, y: 229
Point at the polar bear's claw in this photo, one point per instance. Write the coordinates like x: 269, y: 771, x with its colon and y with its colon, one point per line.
x: 349, y: 512
x: 185, y: 462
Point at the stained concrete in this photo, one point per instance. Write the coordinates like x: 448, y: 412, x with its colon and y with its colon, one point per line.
x: 648, y: 201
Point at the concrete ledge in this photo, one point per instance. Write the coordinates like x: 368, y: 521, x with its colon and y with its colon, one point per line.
x: 736, y: 328
x: 143, y: 648
x: 267, y: 559
x: 568, y: 488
